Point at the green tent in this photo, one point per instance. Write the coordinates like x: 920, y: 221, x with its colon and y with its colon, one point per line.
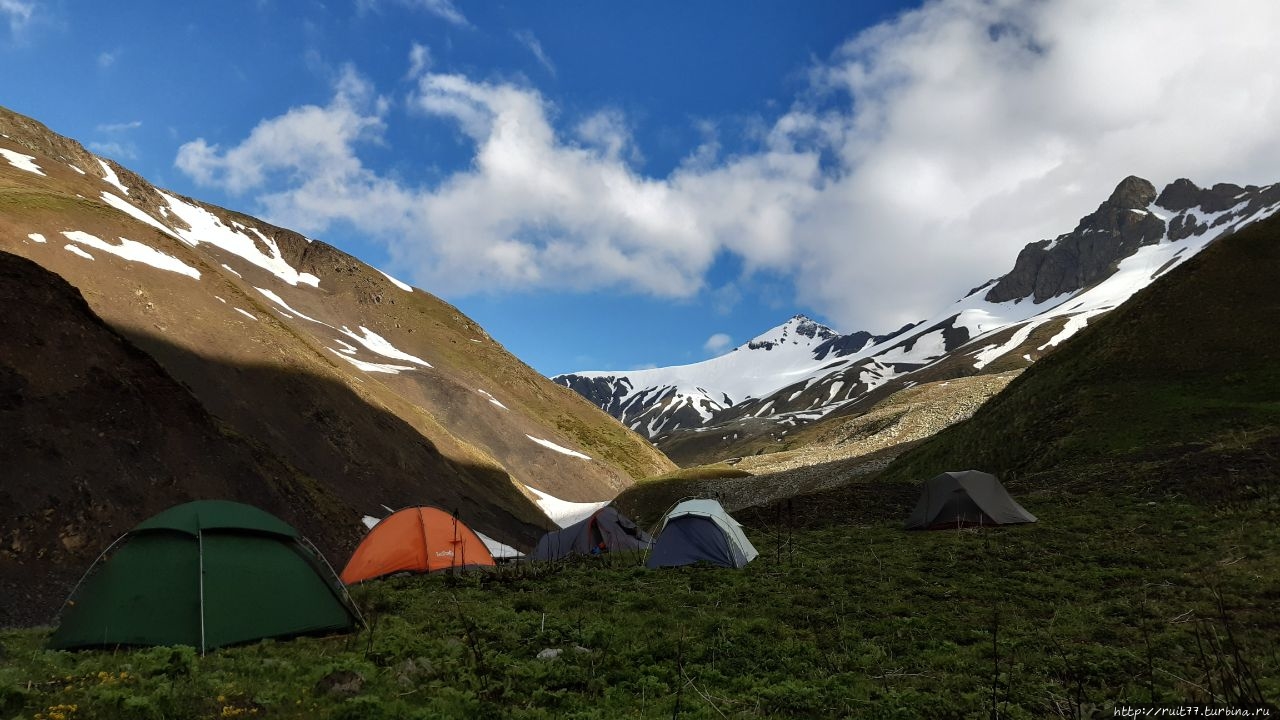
x: 205, y: 574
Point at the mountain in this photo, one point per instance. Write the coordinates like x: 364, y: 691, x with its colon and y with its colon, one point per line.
x: 1056, y: 288
x: 95, y: 429
x: 352, y: 389
x: 663, y: 400
x: 1175, y: 391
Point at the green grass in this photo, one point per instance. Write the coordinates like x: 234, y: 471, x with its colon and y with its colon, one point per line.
x: 1104, y: 600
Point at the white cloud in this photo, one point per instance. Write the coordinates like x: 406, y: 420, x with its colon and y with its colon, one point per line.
x: 419, y: 60
x: 717, y: 343
x: 530, y: 41
x: 976, y: 127
x: 441, y: 8
x: 107, y: 59
x: 120, y: 126
x: 310, y: 147
x: 119, y: 151
x: 927, y: 152
x: 607, y: 131
x: 444, y: 9
x: 18, y: 13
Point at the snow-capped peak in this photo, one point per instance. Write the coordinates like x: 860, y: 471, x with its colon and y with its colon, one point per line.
x: 799, y: 330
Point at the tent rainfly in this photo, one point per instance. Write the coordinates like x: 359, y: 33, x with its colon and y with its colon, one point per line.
x: 956, y: 499
x: 700, y: 531
x: 416, y: 539
x: 206, y: 574
x: 605, y: 530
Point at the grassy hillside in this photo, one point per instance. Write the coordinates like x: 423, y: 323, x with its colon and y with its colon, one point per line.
x: 1187, y: 367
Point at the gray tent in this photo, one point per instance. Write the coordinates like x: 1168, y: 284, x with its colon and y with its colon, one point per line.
x: 955, y: 499
x: 606, y: 530
x: 700, y: 531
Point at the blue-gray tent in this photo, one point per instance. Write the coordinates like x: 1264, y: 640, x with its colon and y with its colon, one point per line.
x: 700, y: 531
x: 961, y: 499
x: 604, y: 531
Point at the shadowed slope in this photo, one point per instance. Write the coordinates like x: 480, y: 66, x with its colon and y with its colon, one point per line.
x: 98, y: 436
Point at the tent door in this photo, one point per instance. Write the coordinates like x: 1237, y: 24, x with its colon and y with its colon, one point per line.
x: 960, y: 509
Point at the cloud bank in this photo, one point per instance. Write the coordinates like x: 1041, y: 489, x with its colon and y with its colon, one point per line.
x: 924, y: 154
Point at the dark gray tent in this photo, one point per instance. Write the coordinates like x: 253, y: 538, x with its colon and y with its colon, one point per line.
x: 700, y: 531
x: 605, y: 530
x: 955, y: 499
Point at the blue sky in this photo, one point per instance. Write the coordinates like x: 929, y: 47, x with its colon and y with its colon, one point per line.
x: 618, y: 185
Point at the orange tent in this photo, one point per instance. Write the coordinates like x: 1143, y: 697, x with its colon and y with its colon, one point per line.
x: 416, y: 539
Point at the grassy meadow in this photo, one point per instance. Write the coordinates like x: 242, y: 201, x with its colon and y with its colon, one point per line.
x: 1152, y: 598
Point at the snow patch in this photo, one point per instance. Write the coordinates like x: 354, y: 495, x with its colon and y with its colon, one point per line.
x: 403, y: 286
x: 205, y: 227
x: 37, y: 237
x: 230, y: 270
x: 136, y: 252
x: 134, y: 212
x: 77, y: 169
x: 497, y: 549
x: 22, y: 162
x: 247, y: 314
x: 110, y: 176
x: 558, y: 448
x: 492, y: 399
x: 279, y: 301
x: 371, y: 367
x: 75, y: 250
x: 1075, y: 324
x: 925, y: 348
x: 563, y: 512
x: 378, y: 344
x: 991, y: 352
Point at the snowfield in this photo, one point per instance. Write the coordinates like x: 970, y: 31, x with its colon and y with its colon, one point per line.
x: 205, y: 227
x: 136, y: 252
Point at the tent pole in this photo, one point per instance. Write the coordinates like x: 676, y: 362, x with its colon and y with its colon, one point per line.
x: 200, y: 541
x: 85, y: 575
x: 422, y: 527
x: 334, y: 574
x: 457, y: 543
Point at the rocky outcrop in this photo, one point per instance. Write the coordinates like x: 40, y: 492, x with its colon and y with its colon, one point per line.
x: 1114, y: 231
x: 843, y: 345
x: 1182, y: 194
x: 1123, y: 223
